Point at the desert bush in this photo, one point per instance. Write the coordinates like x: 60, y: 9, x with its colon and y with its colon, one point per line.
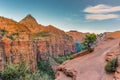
x: 89, y: 41
x: 21, y: 72
x: 45, y: 68
x: 14, y: 71
x: 111, y: 65
x: 62, y: 59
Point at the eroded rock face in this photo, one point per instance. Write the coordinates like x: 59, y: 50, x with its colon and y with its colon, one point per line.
x: 33, y: 51
x: 77, y: 36
x: 117, y: 74
x: 113, y: 35
x: 34, y: 42
x: 20, y: 51
x: 2, y: 56
x: 110, y: 56
x: 31, y: 24
x: 12, y: 26
x: 113, y: 53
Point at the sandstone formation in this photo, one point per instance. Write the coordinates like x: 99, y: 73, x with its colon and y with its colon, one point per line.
x: 12, y: 26
x: 57, y: 41
x: 31, y: 24
x: 90, y: 66
x: 114, y: 35
x: 31, y: 42
x: 77, y: 36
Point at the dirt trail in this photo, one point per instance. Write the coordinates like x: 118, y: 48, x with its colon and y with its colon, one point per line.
x: 91, y: 66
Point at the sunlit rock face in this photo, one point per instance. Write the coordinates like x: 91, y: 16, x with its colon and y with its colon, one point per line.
x: 112, y: 35
x: 33, y: 51
x: 33, y: 42
x: 78, y: 37
x: 20, y: 51
x: 55, y: 41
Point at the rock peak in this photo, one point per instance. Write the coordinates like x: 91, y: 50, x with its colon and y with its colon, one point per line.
x: 29, y: 17
x: 31, y: 23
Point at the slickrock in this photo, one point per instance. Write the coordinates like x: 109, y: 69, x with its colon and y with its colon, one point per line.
x: 113, y: 53
x: 110, y: 56
x: 117, y: 74
x: 90, y: 66
x: 62, y: 76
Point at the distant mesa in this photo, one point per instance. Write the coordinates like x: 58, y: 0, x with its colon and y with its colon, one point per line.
x: 114, y: 35
x: 77, y: 36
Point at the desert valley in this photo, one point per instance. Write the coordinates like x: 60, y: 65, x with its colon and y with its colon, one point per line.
x: 30, y: 42
x: 59, y: 40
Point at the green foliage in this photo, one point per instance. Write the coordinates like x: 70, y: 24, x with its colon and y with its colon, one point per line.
x: 10, y: 37
x: 21, y: 72
x: 89, y: 40
x: 111, y: 65
x: 62, y: 59
x: 3, y: 32
x: 41, y: 34
x: 15, y: 34
x: 45, y: 67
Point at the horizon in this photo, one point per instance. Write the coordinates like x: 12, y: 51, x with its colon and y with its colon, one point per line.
x: 83, y: 16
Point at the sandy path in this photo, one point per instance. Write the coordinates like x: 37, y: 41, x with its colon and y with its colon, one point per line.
x: 91, y: 66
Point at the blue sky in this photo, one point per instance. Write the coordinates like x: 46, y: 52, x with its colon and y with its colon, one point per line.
x: 81, y: 15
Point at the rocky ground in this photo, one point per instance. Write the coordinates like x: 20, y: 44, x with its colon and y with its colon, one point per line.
x: 91, y: 66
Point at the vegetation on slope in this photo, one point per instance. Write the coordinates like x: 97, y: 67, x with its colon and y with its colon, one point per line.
x: 62, y: 59
x: 40, y: 34
x: 46, y: 68
x: 89, y: 41
x: 21, y: 72
x: 111, y: 65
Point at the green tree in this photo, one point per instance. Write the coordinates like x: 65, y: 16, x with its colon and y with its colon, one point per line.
x: 4, y: 32
x: 89, y: 41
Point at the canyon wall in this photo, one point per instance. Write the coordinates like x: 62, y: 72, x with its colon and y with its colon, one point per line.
x: 32, y: 51
x: 33, y: 42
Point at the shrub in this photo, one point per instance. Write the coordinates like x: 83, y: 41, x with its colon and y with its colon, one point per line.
x: 62, y: 59
x: 45, y: 68
x: 21, y: 72
x: 111, y: 65
x: 89, y: 41
x: 14, y: 71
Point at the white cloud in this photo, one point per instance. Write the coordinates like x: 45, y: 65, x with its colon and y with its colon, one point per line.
x: 101, y: 16
x: 102, y: 8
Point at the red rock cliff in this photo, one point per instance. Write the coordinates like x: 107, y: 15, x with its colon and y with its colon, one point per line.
x: 30, y: 44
